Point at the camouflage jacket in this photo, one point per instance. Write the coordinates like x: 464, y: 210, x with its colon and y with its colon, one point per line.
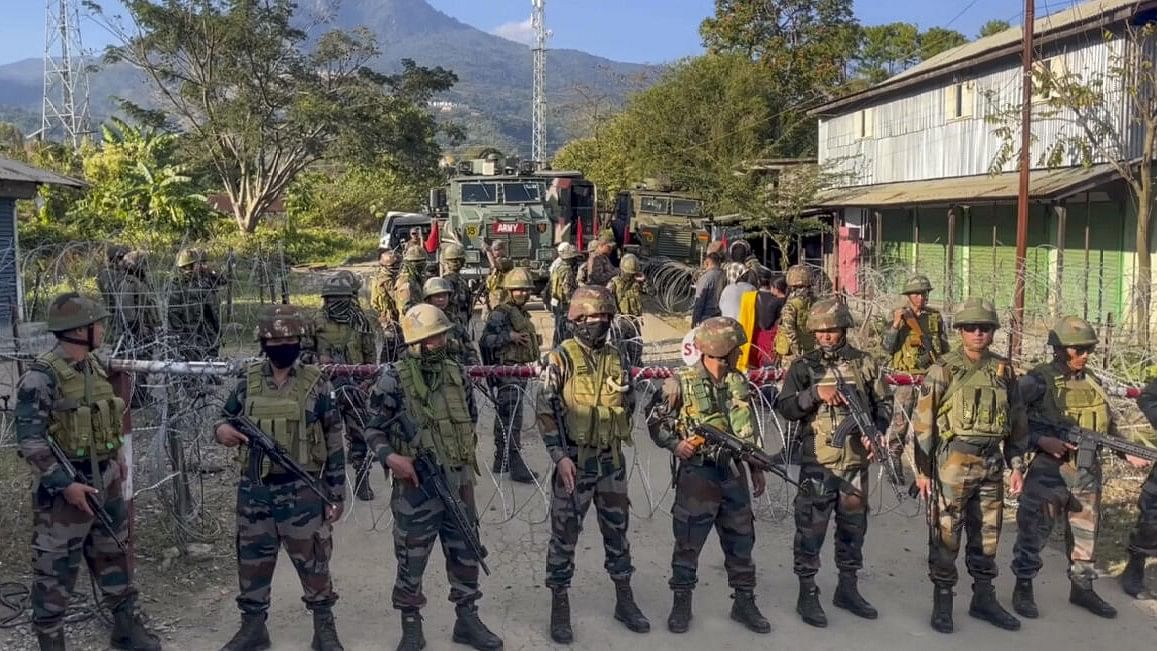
x: 390, y: 426
x: 461, y: 306
x: 134, y: 308
x: 628, y: 293
x: 1147, y: 402
x: 407, y: 292
x: 790, y: 319
x: 381, y: 295
x: 600, y: 271
x: 563, y: 281
x: 194, y: 308
x: 895, y: 339
x: 496, y: 336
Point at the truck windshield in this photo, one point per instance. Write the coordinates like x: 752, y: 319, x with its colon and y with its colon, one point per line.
x: 653, y: 204
x: 479, y: 193
x: 687, y: 207
x: 521, y: 193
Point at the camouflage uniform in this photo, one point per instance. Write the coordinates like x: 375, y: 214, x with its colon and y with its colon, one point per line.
x: 830, y: 476
x: 135, y: 319
x: 458, y: 342
x: 1143, y: 539
x: 600, y: 269
x: 72, y: 403
x: 793, y: 337
x: 711, y: 488
x: 628, y: 288
x: 195, y: 309
x: 562, y: 284
x: 108, y: 278
x: 424, y: 402
x: 965, y: 410
x: 408, y: 286
x: 461, y: 306
x: 500, y: 265
x: 382, y: 302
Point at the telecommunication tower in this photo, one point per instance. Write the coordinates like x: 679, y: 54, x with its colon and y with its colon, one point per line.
x: 538, y: 102
x: 65, y: 103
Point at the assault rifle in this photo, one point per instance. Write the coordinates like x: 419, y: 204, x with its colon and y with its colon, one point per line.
x: 703, y: 433
x: 1088, y: 441
x: 102, y: 516
x: 858, y: 421
x: 432, y: 481
x: 914, y: 325
x: 262, y: 446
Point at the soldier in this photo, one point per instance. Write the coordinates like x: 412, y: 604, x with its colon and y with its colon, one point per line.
x: 562, y: 284
x: 916, y: 338
x: 108, y: 279
x: 968, y: 405
x: 500, y: 265
x: 194, y: 311
x: 584, y: 414
x: 831, y: 477
x: 793, y: 337
x: 408, y: 286
x: 460, y: 306
x: 1143, y: 539
x: 600, y: 270
x: 136, y: 319
x: 290, y: 401
x: 627, y: 289
x: 510, y: 338
x: 382, y: 301
x: 439, y: 293
x: 66, y: 396
x: 1062, y: 392
x: 342, y: 334
x: 710, y: 486
x: 424, y: 402
x: 582, y: 276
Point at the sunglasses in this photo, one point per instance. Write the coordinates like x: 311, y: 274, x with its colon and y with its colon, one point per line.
x: 977, y: 327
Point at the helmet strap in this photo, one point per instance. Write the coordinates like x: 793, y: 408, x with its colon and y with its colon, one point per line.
x: 88, y: 341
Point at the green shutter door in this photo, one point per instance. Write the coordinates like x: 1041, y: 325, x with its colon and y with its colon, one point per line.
x: 1094, y: 288
x: 932, y: 250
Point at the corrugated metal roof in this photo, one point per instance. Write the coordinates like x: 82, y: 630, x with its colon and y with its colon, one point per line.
x: 12, y: 170
x: 1043, y: 185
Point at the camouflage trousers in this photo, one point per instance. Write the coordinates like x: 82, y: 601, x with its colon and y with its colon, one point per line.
x: 392, y: 343
x: 282, y: 513
x: 509, y: 396
x: 822, y: 491
x: 969, y: 499
x: 629, y: 337
x: 355, y: 418
x: 1052, y: 491
x: 600, y: 480
x: 1143, y: 540
x: 62, y: 535
x: 418, y: 520
x: 712, y: 496
x: 904, y: 403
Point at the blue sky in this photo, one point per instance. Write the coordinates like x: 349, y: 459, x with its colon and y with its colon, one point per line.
x: 627, y: 30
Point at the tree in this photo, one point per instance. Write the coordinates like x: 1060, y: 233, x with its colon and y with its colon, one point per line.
x: 937, y: 40
x: 261, y: 108
x: 886, y: 50
x: 993, y: 27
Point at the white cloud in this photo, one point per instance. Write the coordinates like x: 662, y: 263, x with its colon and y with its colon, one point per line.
x: 520, y: 31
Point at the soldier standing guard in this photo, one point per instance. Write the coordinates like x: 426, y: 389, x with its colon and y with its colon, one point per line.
x: 500, y: 265
x: 66, y: 397
x: 408, y: 286
x: 711, y: 488
x: 291, y: 402
x: 600, y: 270
x: 424, y: 402
x: 194, y: 311
x: 562, y: 284
x: 510, y: 338
x: 832, y: 477
x: 628, y: 288
x: 440, y: 293
x: 382, y: 302
x: 969, y: 404
x: 460, y: 307
x: 1143, y: 539
x: 584, y: 414
x: 793, y: 337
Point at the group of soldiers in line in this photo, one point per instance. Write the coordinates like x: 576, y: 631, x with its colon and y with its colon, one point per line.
x: 968, y: 421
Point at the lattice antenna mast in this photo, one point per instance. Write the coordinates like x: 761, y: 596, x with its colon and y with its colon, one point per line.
x: 538, y: 107
x: 65, y: 103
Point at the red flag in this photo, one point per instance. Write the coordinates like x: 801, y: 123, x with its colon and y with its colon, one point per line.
x: 578, y: 238
x: 724, y: 240
x: 432, y: 239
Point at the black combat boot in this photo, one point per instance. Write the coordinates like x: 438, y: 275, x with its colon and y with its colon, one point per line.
x: 1133, y: 578
x: 1086, y: 598
x: 626, y: 610
x: 253, y: 636
x: 808, y: 605
x: 680, y: 618
x: 560, y: 629
x: 942, y: 608
x: 1023, y: 601
x: 744, y: 611
x: 985, y: 606
x: 129, y: 633
x: 848, y: 597
x: 468, y: 629
x: 325, y: 631
x: 51, y: 641
x: 412, y: 638
x: 362, y: 489
x: 519, y: 472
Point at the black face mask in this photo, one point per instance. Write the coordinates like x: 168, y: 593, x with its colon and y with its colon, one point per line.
x: 282, y: 356
x: 592, y: 333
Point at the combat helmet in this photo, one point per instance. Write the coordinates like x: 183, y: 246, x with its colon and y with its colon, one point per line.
x: 338, y: 285
x: 354, y: 280
x: 186, y: 257
x: 718, y: 336
x: 414, y: 254
x: 518, y: 278
x: 976, y: 311
x: 70, y: 311
x: 279, y: 321
x: 827, y: 314
x: 798, y: 276
x: 629, y: 263
x: 115, y: 252
x: 453, y: 251
x: 135, y: 259
x: 588, y: 300
x: 918, y: 284
x: 568, y: 251
x: 424, y: 321
x: 1072, y: 331
x: 435, y: 286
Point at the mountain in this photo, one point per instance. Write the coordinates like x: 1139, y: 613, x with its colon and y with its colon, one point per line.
x: 492, y: 97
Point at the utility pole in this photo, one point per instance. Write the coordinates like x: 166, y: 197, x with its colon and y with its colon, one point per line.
x: 538, y: 101
x: 64, y: 103
x: 1017, y: 333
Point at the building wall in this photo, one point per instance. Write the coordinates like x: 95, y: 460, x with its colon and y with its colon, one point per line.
x: 9, y: 286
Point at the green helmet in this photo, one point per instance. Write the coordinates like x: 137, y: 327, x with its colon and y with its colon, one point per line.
x: 568, y: 251
x: 1072, y: 331
x: 976, y: 311
x: 435, y: 286
x: 424, y: 321
x: 590, y: 299
x: 70, y: 311
x: 918, y: 284
x: 414, y: 254
x: 798, y: 276
x: 629, y: 263
x: 338, y: 285
x: 718, y: 336
x: 828, y: 313
x: 607, y: 237
x: 279, y: 321
x: 453, y: 251
x: 115, y: 252
x: 354, y: 280
x: 518, y: 278
x: 187, y: 257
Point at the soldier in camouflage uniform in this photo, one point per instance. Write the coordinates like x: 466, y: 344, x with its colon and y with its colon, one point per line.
x: 408, y: 286
x: 291, y: 402
x: 1143, y: 539
x: 584, y: 414
x: 424, y: 402
x: 440, y: 293
x: 582, y: 276
x: 562, y: 284
x: 1062, y: 392
x: 912, y: 354
x: 510, y: 338
x: 600, y: 270
x: 832, y: 478
x: 793, y: 337
x: 66, y: 396
x: 108, y: 278
x: 194, y: 308
x: 343, y: 334
x: 460, y: 307
x: 628, y: 288
x: 711, y: 488
x: 500, y: 265
x: 136, y: 319
x: 968, y: 406
x: 382, y: 302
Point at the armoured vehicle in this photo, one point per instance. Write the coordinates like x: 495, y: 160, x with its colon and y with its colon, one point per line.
x: 657, y: 221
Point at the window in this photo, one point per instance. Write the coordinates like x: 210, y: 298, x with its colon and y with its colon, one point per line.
x: 1045, y: 74
x: 521, y: 192
x: 960, y: 100
x: 864, y: 123
x: 686, y: 207
x: 479, y: 193
x: 653, y: 204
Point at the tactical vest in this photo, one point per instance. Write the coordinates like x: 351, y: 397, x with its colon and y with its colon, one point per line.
x: 84, y: 420
x: 976, y: 401
x: 628, y: 296
x: 280, y: 413
x: 513, y: 353
x: 1082, y: 401
x: 341, y: 342
x: 805, y: 339
x: 558, y: 293
x: 440, y: 413
x: 908, y: 358
x: 828, y: 418
x: 726, y: 407
x: 596, y: 415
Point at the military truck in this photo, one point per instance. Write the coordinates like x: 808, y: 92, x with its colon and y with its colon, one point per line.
x: 656, y: 221
x: 571, y: 200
